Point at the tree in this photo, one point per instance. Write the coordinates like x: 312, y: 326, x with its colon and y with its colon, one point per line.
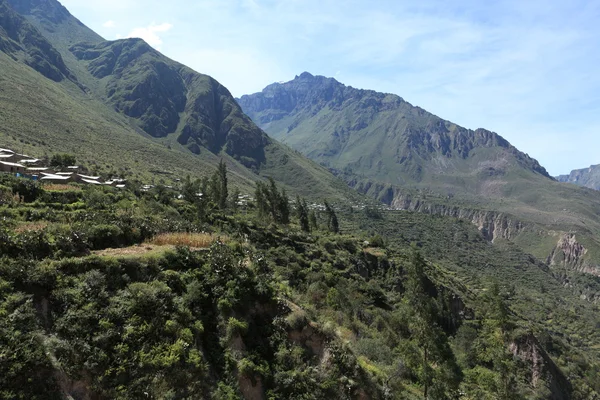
x: 260, y: 196
x: 312, y: 220
x: 283, y: 207
x: 223, y: 193
x: 234, y: 199
x: 190, y: 190
x: 62, y: 160
x: 302, y: 211
x: 332, y: 221
x: 436, y: 367
x: 492, y: 346
x: 271, y: 202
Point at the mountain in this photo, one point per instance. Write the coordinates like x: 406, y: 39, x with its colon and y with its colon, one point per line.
x: 20, y: 41
x: 123, y: 107
x: 587, y: 177
x: 115, y: 293
x: 411, y: 159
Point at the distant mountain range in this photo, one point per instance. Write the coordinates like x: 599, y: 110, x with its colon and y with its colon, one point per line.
x: 587, y: 177
x: 123, y: 106
x: 411, y: 159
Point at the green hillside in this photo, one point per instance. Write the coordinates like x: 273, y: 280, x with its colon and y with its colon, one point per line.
x: 410, y: 159
x: 124, y: 108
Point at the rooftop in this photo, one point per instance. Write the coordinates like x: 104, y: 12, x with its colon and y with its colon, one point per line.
x: 11, y: 164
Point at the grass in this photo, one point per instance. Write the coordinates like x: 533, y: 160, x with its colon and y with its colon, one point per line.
x: 193, y: 240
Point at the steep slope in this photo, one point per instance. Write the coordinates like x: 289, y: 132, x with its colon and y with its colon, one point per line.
x: 411, y: 159
x: 587, y: 177
x: 136, y: 95
x: 21, y: 41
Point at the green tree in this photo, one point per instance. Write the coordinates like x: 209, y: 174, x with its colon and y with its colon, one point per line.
x: 332, y: 221
x: 223, y: 193
x: 62, y: 160
x: 302, y: 211
x: 435, y: 366
x: 312, y: 220
x: 190, y: 190
x: 492, y: 347
x: 271, y: 202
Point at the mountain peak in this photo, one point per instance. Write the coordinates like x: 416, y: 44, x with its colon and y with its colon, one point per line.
x: 305, y: 76
x: 381, y: 137
x: 50, y: 10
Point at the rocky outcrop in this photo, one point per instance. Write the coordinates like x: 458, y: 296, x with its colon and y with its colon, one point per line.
x: 569, y: 253
x: 543, y: 371
x: 491, y: 224
x: 338, y: 122
x: 166, y: 97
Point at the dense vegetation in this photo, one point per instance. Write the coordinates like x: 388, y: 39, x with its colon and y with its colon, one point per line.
x: 264, y: 308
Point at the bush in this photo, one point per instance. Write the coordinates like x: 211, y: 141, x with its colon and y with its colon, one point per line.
x: 105, y: 236
x: 377, y: 241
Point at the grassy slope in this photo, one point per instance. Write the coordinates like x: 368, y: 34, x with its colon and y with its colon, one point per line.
x: 41, y: 117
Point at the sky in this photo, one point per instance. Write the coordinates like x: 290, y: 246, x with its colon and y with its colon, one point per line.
x: 524, y: 69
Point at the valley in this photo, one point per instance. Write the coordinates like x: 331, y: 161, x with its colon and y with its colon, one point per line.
x: 311, y: 241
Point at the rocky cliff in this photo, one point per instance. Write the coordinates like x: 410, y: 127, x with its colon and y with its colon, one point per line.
x: 543, y: 371
x: 588, y: 177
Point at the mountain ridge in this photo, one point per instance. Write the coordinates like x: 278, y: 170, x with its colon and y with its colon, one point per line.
x: 587, y: 177
x: 139, y: 93
x: 312, y: 95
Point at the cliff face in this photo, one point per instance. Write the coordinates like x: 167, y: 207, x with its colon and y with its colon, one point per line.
x: 22, y: 41
x: 491, y: 224
x: 569, y: 253
x: 543, y: 371
x: 587, y: 177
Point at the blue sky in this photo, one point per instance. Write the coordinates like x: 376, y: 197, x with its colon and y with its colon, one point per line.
x: 525, y: 69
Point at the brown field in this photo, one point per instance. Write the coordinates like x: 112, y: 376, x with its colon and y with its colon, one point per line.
x: 57, y: 187
x: 193, y: 240
x: 145, y: 249
x: 31, y: 226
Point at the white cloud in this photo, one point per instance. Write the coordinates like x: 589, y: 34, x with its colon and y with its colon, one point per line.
x: 151, y: 33
x: 109, y: 24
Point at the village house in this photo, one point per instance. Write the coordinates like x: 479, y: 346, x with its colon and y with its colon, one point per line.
x: 30, y: 167
x: 55, y: 178
x: 11, y: 167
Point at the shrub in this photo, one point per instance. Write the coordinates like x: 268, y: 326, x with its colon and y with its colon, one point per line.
x: 105, y: 236
x: 235, y: 327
